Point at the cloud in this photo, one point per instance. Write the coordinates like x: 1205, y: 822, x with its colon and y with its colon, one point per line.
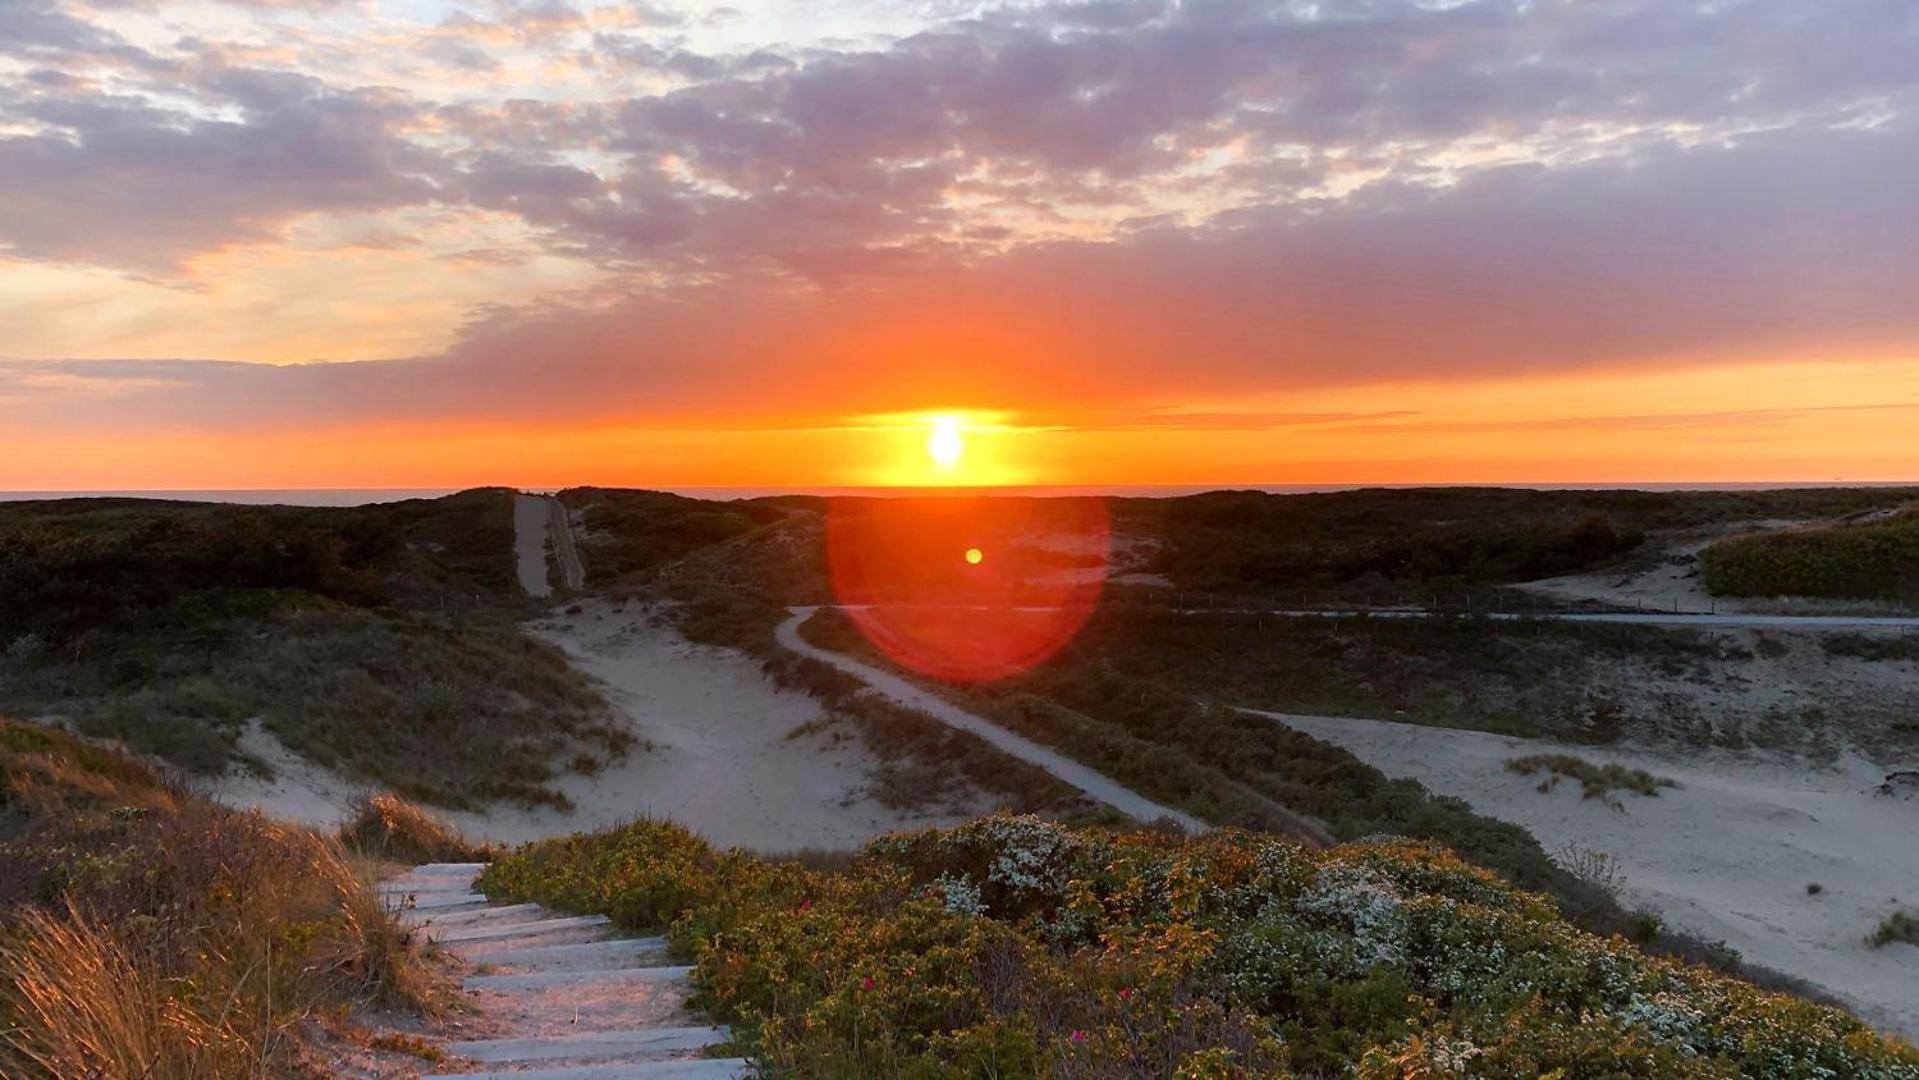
x: 1672, y: 258
x: 121, y: 181
x: 1123, y: 203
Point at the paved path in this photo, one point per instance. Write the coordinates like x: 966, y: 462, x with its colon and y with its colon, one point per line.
x: 1095, y: 785
x: 1633, y: 618
x: 540, y: 525
x: 564, y: 998
x: 529, y: 543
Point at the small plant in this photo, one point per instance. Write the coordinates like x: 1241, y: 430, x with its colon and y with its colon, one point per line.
x: 1813, y: 888
x: 1592, y: 866
x: 1596, y: 781
x: 1898, y: 926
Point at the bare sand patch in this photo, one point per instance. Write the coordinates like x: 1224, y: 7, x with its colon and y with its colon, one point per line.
x: 715, y: 752
x: 294, y: 789
x: 1728, y: 854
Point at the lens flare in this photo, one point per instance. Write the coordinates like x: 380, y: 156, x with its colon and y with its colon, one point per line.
x: 969, y: 619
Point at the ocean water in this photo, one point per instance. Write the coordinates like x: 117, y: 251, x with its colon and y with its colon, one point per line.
x: 364, y: 496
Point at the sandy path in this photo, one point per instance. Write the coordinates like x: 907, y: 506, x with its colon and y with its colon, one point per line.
x: 530, y: 516
x: 1728, y: 854
x: 720, y: 762
x: 1095, y: 785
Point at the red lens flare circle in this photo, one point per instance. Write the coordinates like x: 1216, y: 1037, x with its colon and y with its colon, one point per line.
x: 968, y: 589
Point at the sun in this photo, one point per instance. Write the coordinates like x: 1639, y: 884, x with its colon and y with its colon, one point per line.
x: 946, y: 444
x: 974, y: 555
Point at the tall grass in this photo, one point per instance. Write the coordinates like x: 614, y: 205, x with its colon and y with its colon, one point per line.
x: 87, y: 1007
x: 151, y: 934
x: 388, y: 828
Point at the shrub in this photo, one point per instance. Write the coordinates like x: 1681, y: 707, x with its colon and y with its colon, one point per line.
x: 1867, y: 561
x: 1011, y: 946
x: 1898, y: 926
x: 1596, y: 781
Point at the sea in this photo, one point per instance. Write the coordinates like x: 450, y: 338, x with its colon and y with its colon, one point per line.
x: 368, y: 496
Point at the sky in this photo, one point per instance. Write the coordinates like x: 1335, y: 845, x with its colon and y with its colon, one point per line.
x: 439, y: 243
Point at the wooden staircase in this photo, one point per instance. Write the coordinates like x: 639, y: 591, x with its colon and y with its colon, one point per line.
x: 567, y: 998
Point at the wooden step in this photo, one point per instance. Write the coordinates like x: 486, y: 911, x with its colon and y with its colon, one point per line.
x: 634, y: 1043
x: 586, y: 977
x: 676, y: 1069
x: 536, y: 928
x: 587, y: 956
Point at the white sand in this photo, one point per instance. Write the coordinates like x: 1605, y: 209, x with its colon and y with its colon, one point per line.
x: 1728, y: 854
x: 720, y: 762
x: 299, y: 790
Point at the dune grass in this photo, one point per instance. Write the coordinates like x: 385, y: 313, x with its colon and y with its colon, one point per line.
x: 1898, y: 926
x: 1595, y: 781
x: 152, y: 934
x: 456, y: 715
x: 388, y: 828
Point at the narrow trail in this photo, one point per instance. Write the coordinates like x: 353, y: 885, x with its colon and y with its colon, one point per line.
x: 541, y: 525
x: 558, y: 997
x: 1095, y: 785
x: 530, y: 516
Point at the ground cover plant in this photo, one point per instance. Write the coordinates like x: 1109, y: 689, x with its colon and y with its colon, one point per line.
x: 1868, y: 560
x: 1016, y: 947
x: 1101, y: 703
x: 152, y: 934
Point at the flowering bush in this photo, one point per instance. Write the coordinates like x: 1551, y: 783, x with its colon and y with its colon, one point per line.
x: 1011, y: 946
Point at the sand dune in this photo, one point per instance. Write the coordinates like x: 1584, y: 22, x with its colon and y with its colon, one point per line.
x: 714, y: 753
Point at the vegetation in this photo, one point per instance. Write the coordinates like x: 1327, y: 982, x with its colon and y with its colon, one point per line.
x: 1247, y: 542
x: 630, y: 532
x: 1869, y: 560
x: 375, y: 640
x: 1595, y: 781
x: 455, y: 715
x: 1235, y: 768
x: 149, y: 933
x: 1876, y: 647
x: 386, y: 828
x: 1011, y: 947
x: 1898, y: 926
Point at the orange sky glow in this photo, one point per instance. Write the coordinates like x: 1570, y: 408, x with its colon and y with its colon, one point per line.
x: 442, y: 243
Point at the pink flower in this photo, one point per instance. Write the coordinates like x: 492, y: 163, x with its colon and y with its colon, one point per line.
x: 1077, y: 1036
x: 866, y: 983
x: 805, y: 905
x: 1126, y: 993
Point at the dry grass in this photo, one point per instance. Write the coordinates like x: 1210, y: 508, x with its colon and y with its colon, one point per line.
x: 389, y: 828
x: 151, y: 934
x: 87, y: 1007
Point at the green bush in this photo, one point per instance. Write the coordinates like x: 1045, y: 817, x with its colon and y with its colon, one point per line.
x: 1867, y: 561
x: 1015, y: 947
